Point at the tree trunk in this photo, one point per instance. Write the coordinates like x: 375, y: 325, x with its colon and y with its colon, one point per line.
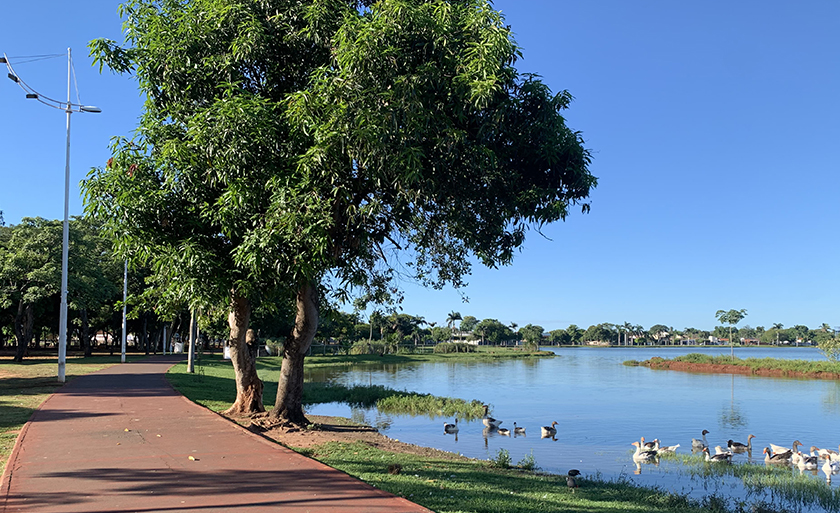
x: 24, y: 321
x: 146, y: 333
x: 288, y: 405
x: 85, y: 341
x: 249, y: 388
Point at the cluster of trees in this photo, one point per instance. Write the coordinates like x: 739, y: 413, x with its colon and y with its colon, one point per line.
x: 292, y: 151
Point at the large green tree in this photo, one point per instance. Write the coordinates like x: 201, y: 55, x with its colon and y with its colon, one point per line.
x: 286, y: 145
x: 30, y: 274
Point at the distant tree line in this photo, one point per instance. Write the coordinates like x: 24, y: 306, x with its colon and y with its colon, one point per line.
x: 30, y: 277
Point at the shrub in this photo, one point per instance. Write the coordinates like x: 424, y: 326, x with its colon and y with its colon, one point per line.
x: 528, y: 462
x: 501, y: 460
x: 454, y: 347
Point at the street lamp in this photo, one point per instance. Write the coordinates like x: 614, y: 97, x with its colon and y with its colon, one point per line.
x: 69, y: 108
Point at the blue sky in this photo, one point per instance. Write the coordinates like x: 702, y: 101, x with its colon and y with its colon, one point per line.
x: 714, y: 128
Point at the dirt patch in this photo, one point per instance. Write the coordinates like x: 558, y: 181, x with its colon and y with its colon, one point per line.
x: 337, y: 429
x: 739, y: 369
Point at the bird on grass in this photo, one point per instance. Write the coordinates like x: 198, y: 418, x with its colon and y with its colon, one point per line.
x: 571, y: 479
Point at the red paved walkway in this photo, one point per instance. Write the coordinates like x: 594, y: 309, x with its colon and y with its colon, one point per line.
x: 119, y: 440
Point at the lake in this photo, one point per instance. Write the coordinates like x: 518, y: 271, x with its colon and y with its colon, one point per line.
x: 602, y: 406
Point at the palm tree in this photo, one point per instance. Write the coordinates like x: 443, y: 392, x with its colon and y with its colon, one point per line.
x: 778, y: 326
x: 450, y: 321
x: 731, y: 317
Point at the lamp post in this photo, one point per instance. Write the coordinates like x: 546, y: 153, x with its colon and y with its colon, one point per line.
x: 68, y: 108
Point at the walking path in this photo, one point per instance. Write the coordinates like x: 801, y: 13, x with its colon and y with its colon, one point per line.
x: 122, y: 440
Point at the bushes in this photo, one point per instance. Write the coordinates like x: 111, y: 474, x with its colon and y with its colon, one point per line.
x: 377, y: 347
x: 454, y: 347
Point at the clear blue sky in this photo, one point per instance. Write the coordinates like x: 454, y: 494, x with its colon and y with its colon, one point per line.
x: 715, y: 128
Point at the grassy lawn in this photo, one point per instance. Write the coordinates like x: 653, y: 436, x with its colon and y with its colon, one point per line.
x: 24, y: 386
x: 213, y: 387
x: 477, y: 487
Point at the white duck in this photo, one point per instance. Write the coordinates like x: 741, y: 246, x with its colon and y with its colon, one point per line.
x: 450, y: 428
x: 641, y: 455
x: 719, y: 458
x: 549, y: 431
x: 700, y: 444
x: 489, y: 421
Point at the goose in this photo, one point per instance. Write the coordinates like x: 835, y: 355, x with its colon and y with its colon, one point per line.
x: 650, y: 446
x: 831, y: 467
x: 549, y: 431
x: 722, y: 457
x: 571, y: 482
x: 641, y: 455
x: 779, y: 449
x: 504, y: 431
x: 719, y: 450
x: 489, y: 421
x: 450, y: 428
x: 739, y: 447
x: 807, y: 462
x: 781, y: 458
x: 825, y: 452
x: 669, y: 448
x: 699, y: 444
x: 518, y: 430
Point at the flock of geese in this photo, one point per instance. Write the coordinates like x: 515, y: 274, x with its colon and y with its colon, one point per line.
x: 773, y: 455
x: 493, y: 424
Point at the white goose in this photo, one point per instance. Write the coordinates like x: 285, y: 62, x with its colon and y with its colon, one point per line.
x: 719, y: 450
x: 806, y: 462
x: 779, y: 449
x: 450, y: 428
x: 489, y: 421
x: 549, y: 431
x: 650, y: 446
x: 669, y: 448
x: 700, y: 444
x: 641, y: 455
x: 724, y: 457
x: 831, y: 467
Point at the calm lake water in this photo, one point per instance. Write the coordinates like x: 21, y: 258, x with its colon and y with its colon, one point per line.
x: 602, y: 406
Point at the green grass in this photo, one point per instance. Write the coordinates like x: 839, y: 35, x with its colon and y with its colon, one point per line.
x: 786, y: 366
x: 474, y: 486
x: 24, y: 386
x: 214, y: 388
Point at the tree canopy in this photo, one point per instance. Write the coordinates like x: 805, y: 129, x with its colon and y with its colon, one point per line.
x: 285, y: 141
